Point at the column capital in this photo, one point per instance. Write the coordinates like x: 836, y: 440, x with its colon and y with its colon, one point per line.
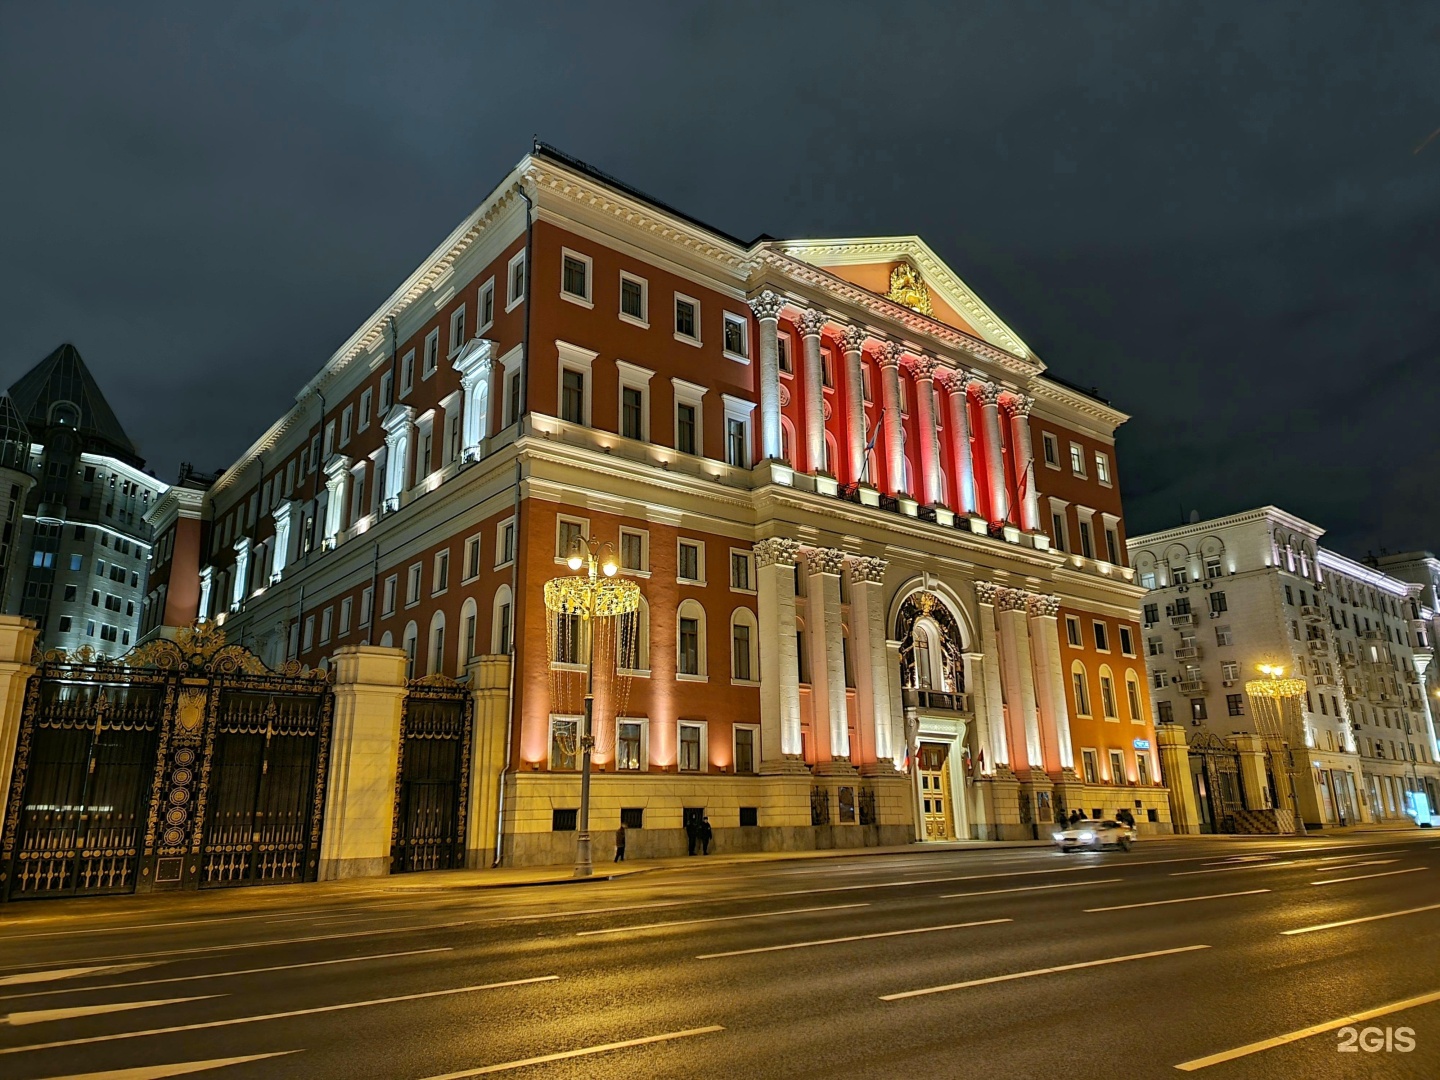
x: 766, y: 305
x: 890, y: 355
x: 950, y: 379
x: 1043, y: 606
x: 811, y: 322
x: 1011, y: 599
x: 987, y: 392
x: 775, y: 551
x: 866, y: 570
x: 1020, y: 404
x: 922, y: 367
x: 824, y: 560
x: 985, y: 592
x: 853, y: 338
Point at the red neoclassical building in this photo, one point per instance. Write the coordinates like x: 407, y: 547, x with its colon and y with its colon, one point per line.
x: 881, y: 549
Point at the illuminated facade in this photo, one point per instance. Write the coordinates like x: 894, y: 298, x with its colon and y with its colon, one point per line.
x: 881, y: 551
x: 1230, y: 594
x: 74, y: 495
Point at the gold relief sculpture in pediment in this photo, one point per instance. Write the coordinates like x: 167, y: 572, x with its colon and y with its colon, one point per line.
x: 909, y: 289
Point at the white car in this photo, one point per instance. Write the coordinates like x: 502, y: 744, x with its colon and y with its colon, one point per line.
x: 1094, y: 835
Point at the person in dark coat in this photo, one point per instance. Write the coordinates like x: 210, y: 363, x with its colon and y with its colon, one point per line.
x: 692, y: 834
x: 1076, y: 817
x: 620, y: 843
x: 706, y: 833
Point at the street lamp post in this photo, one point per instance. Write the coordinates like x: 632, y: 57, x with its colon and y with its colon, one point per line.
x: 1273, y: 693
x: 592, y: 597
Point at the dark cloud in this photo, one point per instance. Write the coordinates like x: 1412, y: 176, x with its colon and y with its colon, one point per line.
x: 1214, y: 213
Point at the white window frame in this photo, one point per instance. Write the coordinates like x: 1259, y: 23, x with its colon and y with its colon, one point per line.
x: 488, y: 287
x: 1124, y: 777
x: 509, y: 365
x: 743, y: 411
x: 675, y: 316
x: 693, y: 394
x: 511, y: 300
x: 457, y: 331
x: 730, y: 318
x: 1102, y: 469
x: 634, y: 377
x: 390, y: 596
x: 680, y: 542
x: 327, y: 624
x: 440, y: 572
x: 407, y: 374
x: 1077, y: 458
x: 414, y: 583
x: 347, y: 424
x: 644, y: 534
x: 471, y: 573
x: 749, y: 555
x: 347, y: 611
x: 502, y: 600
x: 387, y: 393
x: 1049, y: 445
x: 644, y: 724
x: 587, y: 299
x: 431, y: 362
x: 753, y: 624
x: 1093, y: 756
x: 367, y: 605
x: 568, y: 519
x: 644, y: 320
x: 1084, y: 516
x: 1072, y: 622
x: 1057, y: 510
x: 500, y: 527
x: 577, y: 359
x: 1099, y: 627
x: 367, y: 398
x: 701, y: 644
x: 704, y: 726
x: 307, y: 639
x: 754, y: 729
x: 565, y: 718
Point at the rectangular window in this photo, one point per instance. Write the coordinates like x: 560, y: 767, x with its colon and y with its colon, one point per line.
x: 740, y: 651
x: 512, y: 398
x: 1235, y: 703
x: 1052, y: 449
x: 309, y: 636
x: 632, y: 550
x: 457, y: 329
x: 440, y: 579
x: 1112, y: 546
x: 1077, y: 459
x: 1152, y: 614
x: 627, y: 746
x: 575, y: 276
x: 1132, y: 694
x: 1229, y: 670
x: 1212, y: 567
x: 1142, y: 770
x: 568, y: 535
x: 1107, y: 697
x: 485, y: 307
x: 685, y: 428
x: 737, y: 440
x: 1217, y: 603
x: 367, y: 398
x: 1222, y: 636
x: 472, y: 558
x: 1087, y: 545
x: 572, y: 396
x: 502, y: 640
x: 1090, y: 762
x: 1102, y: 637
x: 387, y: 394
x: 432, y: 354
x: 740, y: 570
x: 744, y: 750
x: 1102, y: 468
x: 516, y: 278
x: 1057, y: 531
x: 1127, y: 642
x: 633, y: 300
x: 1072, y: 630
x: 347, y: 423
x: 1082, y: 693
x: 387, y: 600
x: 687, y: 319
x: 407, y: 373
x: 688, y: 662
x: 737, y: 343
x: 1197, y: 709
x: 632, y: 412
x: 1164, y: 712
x: 367, y: 605
x: 412, y: 584
x: 564, y: 735
x: 1117, y: 767
x: 505, y: 543
x: 690, y: 565
x: 782, y: 353
x: 690, y: 747
x: 346, y: 611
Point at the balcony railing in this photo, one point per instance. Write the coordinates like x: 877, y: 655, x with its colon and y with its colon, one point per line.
x: 1318, y: 645
x: 1311, y: 613
x: 940, y: 700
x: 1192, y: 686
x: 1188, y: 652
x: 1186, y: 618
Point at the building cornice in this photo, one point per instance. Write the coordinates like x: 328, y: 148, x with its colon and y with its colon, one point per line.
x: 1343, y: 564
x: 1272, y: 515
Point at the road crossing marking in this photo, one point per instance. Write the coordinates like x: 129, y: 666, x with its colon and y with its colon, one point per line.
x: 68, y: 973
x: 1352, y: 922
x: 1030, y: 888
x: 1178, y: 900
x: 43, y: 1016
x: 221, y: 974
x: 1366, y: 877
x: 276, y: 1016
x: 1038, y: 971
x: 852, y: 937
x: 1305, y: 1033
x: 564, y: 1054
x: 717, y: 918
x: 262, y: 944
x: 181, y: 1068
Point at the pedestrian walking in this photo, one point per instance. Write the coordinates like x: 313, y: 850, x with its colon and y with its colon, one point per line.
x: 620, y: 843
x: 692, y: 834
x: 705, y: 834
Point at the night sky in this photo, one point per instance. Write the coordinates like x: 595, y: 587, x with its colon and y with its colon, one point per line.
x: 1215, y: 214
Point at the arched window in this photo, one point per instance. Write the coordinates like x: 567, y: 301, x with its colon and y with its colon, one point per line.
x: 832, y: 454
x: 469, y: 642
x: 690, y: 641
x: 1132, y: 695
x: 1107, y: 693
x: 930, y: 666
x: 501, y: 621
x: 1080, y: 687
x: 633, y: 646
x: 744, y: 646
x: 408, y: 642
x: 387, y: 640
x: 436, y: 660
x: 787, y: 440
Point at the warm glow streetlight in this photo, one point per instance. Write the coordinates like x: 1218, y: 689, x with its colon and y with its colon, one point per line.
x: 591, y: 597
x: 1269, y: 698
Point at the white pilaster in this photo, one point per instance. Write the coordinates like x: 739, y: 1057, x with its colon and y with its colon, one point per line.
x: 398, y: 424
x: 474, y: 363
x: 337, y: 477
x: 989, y: 699
x: 871, y: 659
x: 1050, y: 675
x: 767, y: 307
x: 923, y: 370
x: 283, y: 515
x: 811, y: 325
x: 959, y: 428
x: 827, y: 650
x: 854, y: 342
x: 779, y: 657
x: 1019, y: 409
x: 989, y: 395
x: 894, y: 431
x: 1018, y: 670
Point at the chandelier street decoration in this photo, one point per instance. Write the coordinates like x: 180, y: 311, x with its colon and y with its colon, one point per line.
x: 1275, y: 704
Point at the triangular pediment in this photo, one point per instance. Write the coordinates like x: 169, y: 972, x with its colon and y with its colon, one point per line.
x: 923, y: 281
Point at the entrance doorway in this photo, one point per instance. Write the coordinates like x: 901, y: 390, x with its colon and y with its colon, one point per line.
x: 937, y: 811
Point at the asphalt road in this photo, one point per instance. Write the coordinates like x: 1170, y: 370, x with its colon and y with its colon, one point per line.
x: 1208, y: 956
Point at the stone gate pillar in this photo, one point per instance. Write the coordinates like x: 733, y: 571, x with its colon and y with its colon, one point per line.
x: 1175, y: 771
x: 17, y: 643
x: 360, y: 792
x: 489, y: 687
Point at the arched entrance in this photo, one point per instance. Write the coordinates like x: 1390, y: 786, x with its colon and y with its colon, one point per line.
x: 937, y: 713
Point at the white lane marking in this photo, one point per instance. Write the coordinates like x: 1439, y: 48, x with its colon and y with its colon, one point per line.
x: 270, y: 941
x: 1366, y: 877
x: 275, y: 1016
x: 1305, y: 1033
x: 1038, y: 971
x: 222, y: 974
x: 1368, y: 862
x: 852, y: 937
x: 181, y: 1068
x: 1247, y: 866
x: 276, y: 915
x: 717, y: 918
x: 1180, y: 900
x: 1030, y: 888
x: 1352, y: 922
x: 42, y: 1016
x: 604, y: 1048
x: 68, y: 973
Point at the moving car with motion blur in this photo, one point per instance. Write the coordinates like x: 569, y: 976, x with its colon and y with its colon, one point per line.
x: 1094, y: 835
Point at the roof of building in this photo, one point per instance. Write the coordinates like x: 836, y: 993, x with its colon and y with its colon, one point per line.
x: 63, y: 376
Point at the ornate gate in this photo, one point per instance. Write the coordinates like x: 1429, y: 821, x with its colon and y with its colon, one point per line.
x: 432, y: 782
x: 185, y: 762
x: 1215, y: 772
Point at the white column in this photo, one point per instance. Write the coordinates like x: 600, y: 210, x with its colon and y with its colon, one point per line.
x: 923, y: 370
x: 827, y: 650
x: 283, y: 514
x: 959, y: 427
x: 989, y: 700
x: 337, y: 475
x: 242, y: 571
x: 1050, y: 674
x: 397, y: 450
x: 474, y: 364
x: 989, y: 395
x: 767, y: 307
x: 854, y: 342
x: 1018, y: 670
x: 871, y: 658
x: 811, y: 324
x: 779, y: 656
x: 207, y: 584
x: 894, y: 432
x: 1020, y: 406
x: 975, y: 686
